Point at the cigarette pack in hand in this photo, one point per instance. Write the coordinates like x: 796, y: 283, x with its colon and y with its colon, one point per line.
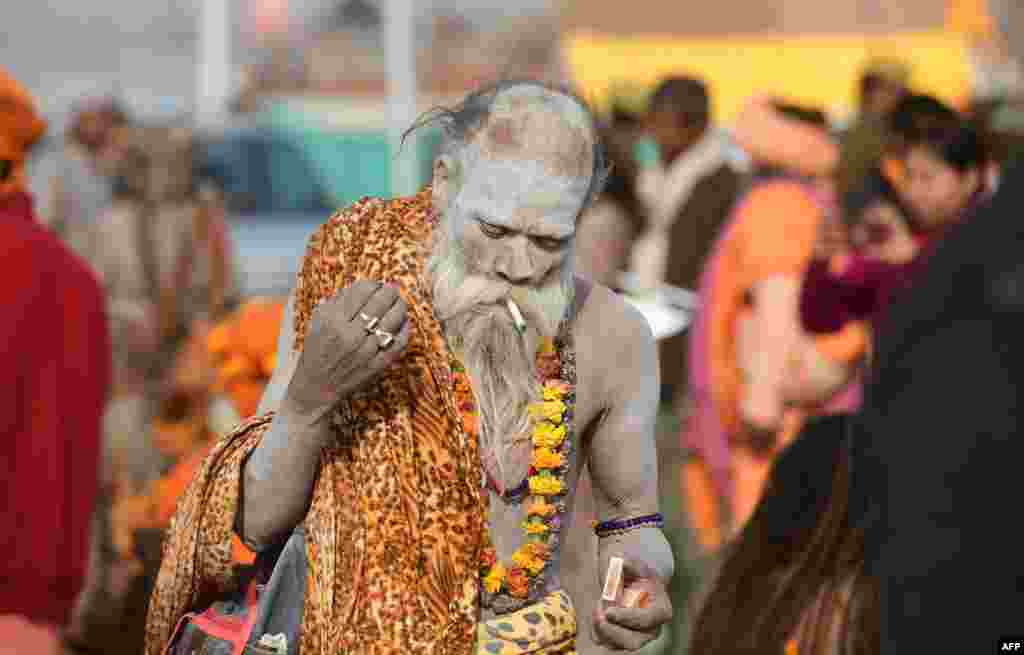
x: 613, y: 581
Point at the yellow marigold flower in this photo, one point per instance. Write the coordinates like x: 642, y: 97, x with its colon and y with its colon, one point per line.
x: 545, y: 486
x: 556, y: 386
x: 547, y: 346
x: 535, y: 527
x: 545, y: 458
x: 549, y: 410
x: 524, y: 559
x: 492, y: 583
x: 552, y: 393
x: 539, y: 507
x: 546, y: 435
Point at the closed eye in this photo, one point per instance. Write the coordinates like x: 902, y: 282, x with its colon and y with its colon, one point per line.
x: 491, y: 230
x: 550, y: 244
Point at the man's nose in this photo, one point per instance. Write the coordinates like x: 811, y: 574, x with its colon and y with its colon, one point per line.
x: 515, y: 266
x: 516, y: 280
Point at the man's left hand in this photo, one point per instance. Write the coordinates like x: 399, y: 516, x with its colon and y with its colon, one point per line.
x: 631, y: 628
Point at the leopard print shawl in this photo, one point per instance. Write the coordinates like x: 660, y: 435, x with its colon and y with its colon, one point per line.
x: 395, y: 527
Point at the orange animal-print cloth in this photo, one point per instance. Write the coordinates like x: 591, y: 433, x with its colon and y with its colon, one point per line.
x: 395, y: 527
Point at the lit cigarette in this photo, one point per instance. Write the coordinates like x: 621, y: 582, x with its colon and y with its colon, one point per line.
x: 613, y: 581
x: 517, y: 316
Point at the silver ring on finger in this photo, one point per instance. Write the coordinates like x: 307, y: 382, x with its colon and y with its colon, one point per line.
x: 386, y: 338
x: 371, y: 322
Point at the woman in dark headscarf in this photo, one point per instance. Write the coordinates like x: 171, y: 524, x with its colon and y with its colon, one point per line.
x: 792, y: 582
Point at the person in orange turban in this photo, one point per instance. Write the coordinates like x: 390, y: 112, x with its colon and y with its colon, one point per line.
x: 20, y: 128
x: 56, y: 352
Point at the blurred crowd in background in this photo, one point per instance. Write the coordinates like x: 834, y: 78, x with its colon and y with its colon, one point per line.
x: 179, y: 226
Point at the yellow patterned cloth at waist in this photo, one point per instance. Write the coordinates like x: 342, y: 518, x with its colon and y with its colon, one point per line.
x: 545, y: 628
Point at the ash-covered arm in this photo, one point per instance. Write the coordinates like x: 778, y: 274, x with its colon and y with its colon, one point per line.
x: 278, y: 479
x: 622, y: 451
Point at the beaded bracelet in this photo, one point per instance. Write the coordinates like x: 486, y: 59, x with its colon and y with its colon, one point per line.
x: 612, y: 528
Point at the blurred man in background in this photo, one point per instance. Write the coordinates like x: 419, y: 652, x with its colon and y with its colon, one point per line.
x: 55, y: 377
x: 942, y: 428
x: 686, y: 194
x: 78, y: 179
x: 881, y: 87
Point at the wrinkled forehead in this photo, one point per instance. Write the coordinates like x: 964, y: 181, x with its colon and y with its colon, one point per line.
x: 535, y: 124
x: 521, y: 193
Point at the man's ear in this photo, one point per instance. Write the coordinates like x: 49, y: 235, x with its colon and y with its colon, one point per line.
x: 444, y: 182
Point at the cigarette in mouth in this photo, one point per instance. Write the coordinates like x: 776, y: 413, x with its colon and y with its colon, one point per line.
x: 517, y: 316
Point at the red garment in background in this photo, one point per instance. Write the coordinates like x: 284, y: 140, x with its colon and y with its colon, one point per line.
x: 55, y: 376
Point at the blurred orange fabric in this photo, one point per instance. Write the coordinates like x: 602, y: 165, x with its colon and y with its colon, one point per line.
x: 20, y: 127
x: 169, y: 489
x: 773, y: 235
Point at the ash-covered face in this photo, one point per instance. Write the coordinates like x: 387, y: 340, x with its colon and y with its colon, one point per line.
x: 508, y: 202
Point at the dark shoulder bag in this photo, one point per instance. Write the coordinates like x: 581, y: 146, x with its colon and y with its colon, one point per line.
x: 264, y: 618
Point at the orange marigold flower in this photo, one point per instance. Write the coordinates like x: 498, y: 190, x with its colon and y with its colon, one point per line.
x: 518, y: 583
x: 462, y: 385
x: 540, y: 507
x: 535, y: 527
x: 524, y: 559
x: 549, y: 367
x: 545, y: 458
x: 471, y: 424
x: 537, y: 550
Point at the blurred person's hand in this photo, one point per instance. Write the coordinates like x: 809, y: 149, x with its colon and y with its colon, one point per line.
x: 833, y: 239
x: 884, y: 235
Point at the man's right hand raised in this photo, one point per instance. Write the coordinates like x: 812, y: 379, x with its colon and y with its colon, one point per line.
x: 345, y: 349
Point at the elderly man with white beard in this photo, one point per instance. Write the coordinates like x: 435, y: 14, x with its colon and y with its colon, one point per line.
x: 443, y: 375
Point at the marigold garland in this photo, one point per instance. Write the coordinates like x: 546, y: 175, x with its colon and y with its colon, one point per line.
x: 545, y: 481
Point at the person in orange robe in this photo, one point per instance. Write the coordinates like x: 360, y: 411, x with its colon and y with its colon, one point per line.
x: 755, y: 375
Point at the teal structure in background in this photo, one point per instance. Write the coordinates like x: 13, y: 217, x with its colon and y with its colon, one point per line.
x: 352, y: 161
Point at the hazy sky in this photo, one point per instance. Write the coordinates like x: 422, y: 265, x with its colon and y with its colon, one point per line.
x: 64, y: 48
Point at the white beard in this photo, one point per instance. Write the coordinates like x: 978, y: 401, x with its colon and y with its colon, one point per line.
x: 499, y: 360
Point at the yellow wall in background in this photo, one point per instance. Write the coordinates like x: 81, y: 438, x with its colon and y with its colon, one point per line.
x: 815, y: 69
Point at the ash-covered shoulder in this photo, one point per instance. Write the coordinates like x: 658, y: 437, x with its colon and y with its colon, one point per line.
x: 606, y: 312
x: 611, y: 329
